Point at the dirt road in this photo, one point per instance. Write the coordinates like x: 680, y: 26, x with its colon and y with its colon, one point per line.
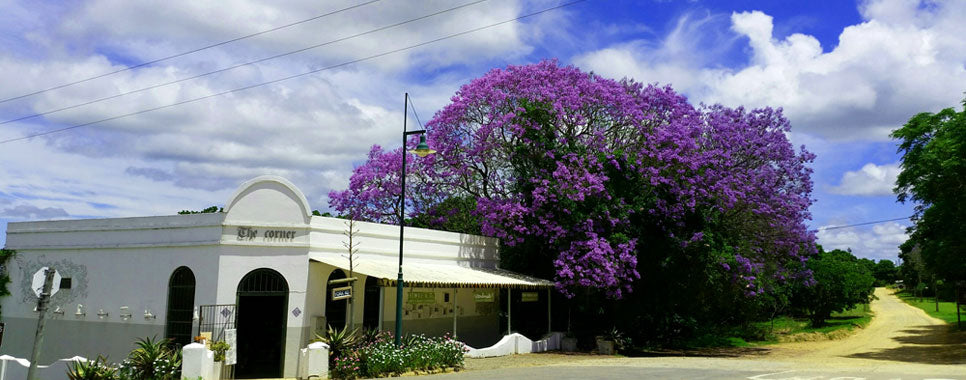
x: 898, y: 332
x: 900, y: 342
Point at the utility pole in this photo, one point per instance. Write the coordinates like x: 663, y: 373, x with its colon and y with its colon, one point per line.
x: 42, y: 309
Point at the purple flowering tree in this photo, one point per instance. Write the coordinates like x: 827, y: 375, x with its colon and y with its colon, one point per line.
x: 600, y: 183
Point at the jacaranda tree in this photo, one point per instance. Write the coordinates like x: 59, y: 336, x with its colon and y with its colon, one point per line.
x: 602, y: 184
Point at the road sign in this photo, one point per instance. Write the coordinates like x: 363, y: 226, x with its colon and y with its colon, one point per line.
x: 38, y: 283
x: 341, y: 293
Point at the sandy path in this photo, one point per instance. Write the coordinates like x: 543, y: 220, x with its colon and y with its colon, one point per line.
x: 900, y: 339
x: 898, y: 332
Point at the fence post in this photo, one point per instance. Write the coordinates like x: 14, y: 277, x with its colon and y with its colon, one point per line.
x: 197, y: 361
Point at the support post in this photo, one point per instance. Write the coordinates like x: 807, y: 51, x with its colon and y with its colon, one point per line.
x: 402, y: 228
x: 509, y: 309
x: 455, y: 292
x: 382, y: 305
x: 39, y: 335
x: 549, y: 319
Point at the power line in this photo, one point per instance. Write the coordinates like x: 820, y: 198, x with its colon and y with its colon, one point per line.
x: 296, y: 75
x: 187, y: 52
x: 115, y: 96
x: 861, y: 224
x: 413, y: 107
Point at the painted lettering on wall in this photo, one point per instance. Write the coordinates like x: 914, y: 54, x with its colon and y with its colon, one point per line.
x: 249, y: 234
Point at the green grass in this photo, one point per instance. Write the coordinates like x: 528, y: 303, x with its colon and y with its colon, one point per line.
x: 947, y: 310
x: 771, y: 332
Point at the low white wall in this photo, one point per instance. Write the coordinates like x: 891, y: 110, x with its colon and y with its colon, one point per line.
x: 517, y: 344
x: 12, y: 368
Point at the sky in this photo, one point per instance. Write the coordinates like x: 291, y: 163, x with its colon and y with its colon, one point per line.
x: 845, y: 74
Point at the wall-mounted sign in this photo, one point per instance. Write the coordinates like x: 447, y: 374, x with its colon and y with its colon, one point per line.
x: 341, y: 293
x: 249, y: 234
x: 529, y: 297
x: 484, y: 296
x: 416, y: 298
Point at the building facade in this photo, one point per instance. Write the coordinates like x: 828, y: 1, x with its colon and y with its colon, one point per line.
x: 265, y: 268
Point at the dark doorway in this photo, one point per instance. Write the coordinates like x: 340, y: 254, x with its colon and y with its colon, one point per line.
x: 181, y: 303
x: 262, y: 306
x: 335, y: 309
x: 370, y: 314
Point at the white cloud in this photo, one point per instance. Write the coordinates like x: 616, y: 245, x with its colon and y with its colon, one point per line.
x: 33, y: 212
x: 311, y: 130
x: 881, y: 241
x: 871, y: 180
x: 901, y: 60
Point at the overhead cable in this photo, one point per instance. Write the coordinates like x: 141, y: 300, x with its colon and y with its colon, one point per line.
x: 186, y: 52
x: 861, y: 224
x: 115, y: 96
x: 410, y: 47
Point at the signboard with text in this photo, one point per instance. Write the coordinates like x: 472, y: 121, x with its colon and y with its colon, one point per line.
x: 484, y: 296
x: 529, y: 297
x: 421, y: 298
x: 341, y: 293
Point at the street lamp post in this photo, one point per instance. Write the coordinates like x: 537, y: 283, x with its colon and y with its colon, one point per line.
x: 422, y: 150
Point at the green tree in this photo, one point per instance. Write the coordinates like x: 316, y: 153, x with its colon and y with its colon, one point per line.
x: 209, y: 210
x: 841, y: 283
x: 933, y: 176
x: 885, y: 273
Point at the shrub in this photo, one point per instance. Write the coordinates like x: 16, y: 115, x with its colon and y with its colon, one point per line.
x: 152, y: 360
x: 339, y: 341
x: 97, y: 369
x: 378, y: 356
x: 220, y: 348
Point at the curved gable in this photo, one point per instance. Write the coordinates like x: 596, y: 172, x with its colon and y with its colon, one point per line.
x: 270, y: 199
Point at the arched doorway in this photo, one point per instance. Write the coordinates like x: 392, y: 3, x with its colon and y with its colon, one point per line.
x: 262, y: 306
x: 181, y: 304
x: 370, y: 313
x: 335, y: 310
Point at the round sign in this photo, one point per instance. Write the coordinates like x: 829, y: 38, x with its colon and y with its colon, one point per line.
x: 38, y: 284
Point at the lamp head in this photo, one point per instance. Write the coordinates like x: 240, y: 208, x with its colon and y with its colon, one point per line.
x: 422, y: 150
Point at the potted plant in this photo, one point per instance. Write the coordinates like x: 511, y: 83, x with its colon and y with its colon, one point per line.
x: 610, y: 341
x: 569, y: 342
x: 219, y: 348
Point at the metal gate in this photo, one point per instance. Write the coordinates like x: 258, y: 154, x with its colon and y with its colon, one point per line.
x: 214, y: 320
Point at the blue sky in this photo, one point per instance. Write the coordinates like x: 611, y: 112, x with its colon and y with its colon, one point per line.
x: 846, y: 73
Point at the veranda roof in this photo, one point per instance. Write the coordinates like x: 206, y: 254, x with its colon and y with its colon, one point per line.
x: 430, y: 273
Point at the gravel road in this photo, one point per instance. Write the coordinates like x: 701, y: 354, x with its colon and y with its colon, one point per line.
x: 900, y: 342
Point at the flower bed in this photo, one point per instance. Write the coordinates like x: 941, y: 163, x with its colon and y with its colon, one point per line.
x: 378, y: 356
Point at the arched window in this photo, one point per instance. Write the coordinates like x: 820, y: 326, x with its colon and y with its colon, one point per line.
x: 181, y: 304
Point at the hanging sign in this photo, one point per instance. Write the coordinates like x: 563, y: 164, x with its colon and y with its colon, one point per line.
x: 341, y: 293
x: 529, y: 297
x: 484, y: 296
x: 421, y: 298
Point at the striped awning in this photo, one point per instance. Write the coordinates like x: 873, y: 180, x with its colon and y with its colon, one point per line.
x: 430, y: 273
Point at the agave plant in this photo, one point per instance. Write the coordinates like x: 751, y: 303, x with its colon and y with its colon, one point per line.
x: 339, y: 340
x: 97, y: 369
x: 153, y: 360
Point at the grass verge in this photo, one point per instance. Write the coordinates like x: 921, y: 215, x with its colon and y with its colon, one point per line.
x: 788, y: 329
x: 947, y: 310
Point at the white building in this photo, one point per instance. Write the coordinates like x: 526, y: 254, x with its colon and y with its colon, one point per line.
x: 266, y: 263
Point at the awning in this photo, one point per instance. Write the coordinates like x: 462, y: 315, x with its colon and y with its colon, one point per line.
x: 430, y: 273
